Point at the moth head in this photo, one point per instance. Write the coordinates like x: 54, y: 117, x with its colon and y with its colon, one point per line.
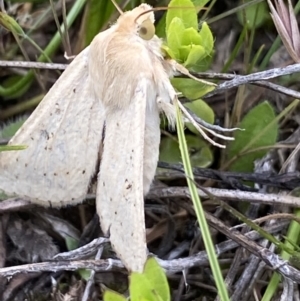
x: 140, y: 20
x: 145, y: 23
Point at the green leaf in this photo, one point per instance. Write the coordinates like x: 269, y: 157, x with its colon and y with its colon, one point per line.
x: 10, y: 24
x: 85, y: 274
x: 94, y: 18
x: 157, y: 278
x: 71, y: 243
x: 206, y: 38
x: 160, y: 28
x: 188, y: 16
x: 256, y: 14
x: 168, y: 52
x: 200, y: 3
x: 190, y: 37
x: 10, y: 129
x: 202, y: 110
x: 196, y: 54
x: 255, y: 135
x: 140, y: 288
x: 12, y: 81
x: 174, y: 36
x: 191, y: 88
x: 199, y: 152
x: 96, y: 15
x: 113, y: 296
x: 202, y: 65
x: 184, y: 52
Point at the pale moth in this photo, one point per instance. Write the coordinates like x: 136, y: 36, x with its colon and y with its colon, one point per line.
x: 102, y: 115
x: 101, y: 119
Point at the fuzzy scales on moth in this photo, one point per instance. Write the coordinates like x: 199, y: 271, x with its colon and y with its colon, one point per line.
x: 117, y: 86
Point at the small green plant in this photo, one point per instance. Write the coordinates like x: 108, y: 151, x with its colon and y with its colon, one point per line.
x: 151, y: 285
x: 189, y: 46
x: 193, y: 49
x: 185, y: 43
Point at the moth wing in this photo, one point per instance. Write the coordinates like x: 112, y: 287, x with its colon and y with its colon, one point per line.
x: 63, y: 136
x: 120, y: 199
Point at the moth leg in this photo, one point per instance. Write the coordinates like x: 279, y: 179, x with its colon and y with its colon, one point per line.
x: 168, y: 109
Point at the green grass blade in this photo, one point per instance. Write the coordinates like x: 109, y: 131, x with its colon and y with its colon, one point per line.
x: 222, y: 291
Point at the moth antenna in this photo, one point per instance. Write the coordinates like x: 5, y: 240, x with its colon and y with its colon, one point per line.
x: 116, y: 5
x: 164, y: 8
x: 150, y: 10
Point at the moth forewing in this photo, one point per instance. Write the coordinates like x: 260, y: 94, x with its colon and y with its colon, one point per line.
x: 63, y: 137
x: 120, y: 191
x: 151, y: 146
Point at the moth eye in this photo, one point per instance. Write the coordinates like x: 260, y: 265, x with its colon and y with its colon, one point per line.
x: 147, y: 30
